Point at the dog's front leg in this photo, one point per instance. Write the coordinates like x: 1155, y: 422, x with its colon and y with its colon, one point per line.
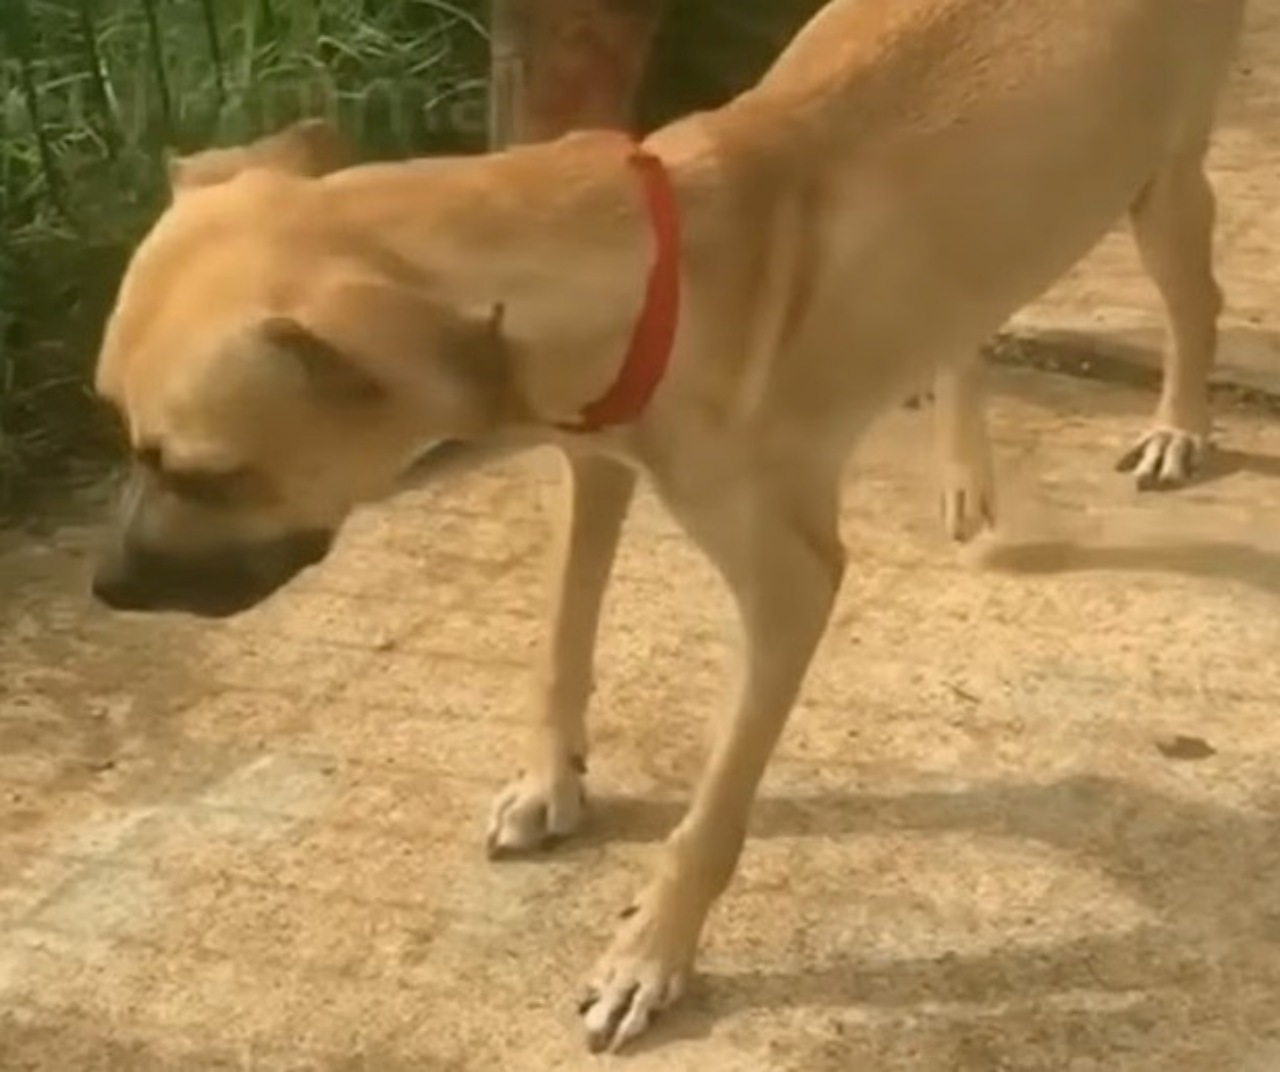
x: 779, y: 550
x: 546, y: 801
x: 963, y: 446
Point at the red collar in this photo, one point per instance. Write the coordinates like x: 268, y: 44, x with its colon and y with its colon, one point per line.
x: 655, y: 333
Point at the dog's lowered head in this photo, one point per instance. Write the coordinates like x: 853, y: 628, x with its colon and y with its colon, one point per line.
x: 268, y: 381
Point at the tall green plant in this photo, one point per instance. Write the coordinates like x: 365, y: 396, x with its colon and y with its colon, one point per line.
x: 95, y: 93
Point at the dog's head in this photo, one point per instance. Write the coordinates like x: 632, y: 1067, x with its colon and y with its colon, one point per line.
x: 267, y: 382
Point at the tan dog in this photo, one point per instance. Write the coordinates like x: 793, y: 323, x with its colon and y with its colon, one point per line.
x: 909, y: 173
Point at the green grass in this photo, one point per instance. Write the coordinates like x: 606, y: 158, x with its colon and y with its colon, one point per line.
x: 93, y: 93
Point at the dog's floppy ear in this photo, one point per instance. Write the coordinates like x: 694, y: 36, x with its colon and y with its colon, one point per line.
x: 361, y: 344
x: 332, y: 374
x: 311, y: 147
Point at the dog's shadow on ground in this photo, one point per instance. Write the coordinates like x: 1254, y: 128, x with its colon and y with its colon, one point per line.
x: 1240, y: 561
x: 1221, y: 464
x: 1224, y: 560
x: 1208, y: 874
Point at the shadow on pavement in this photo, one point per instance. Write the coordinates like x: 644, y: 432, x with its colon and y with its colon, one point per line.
x: 1226, y: 560
x: 1210, y: 873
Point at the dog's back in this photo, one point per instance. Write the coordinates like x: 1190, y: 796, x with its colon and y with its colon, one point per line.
x: 918, y: 60
x: 957, y: 156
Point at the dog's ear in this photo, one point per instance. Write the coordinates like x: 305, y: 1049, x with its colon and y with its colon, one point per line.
x: 362, y: 344
x: 311, y: 147
x: 335, y: 376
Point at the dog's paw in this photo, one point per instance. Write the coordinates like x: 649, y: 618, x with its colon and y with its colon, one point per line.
x: 968, y: 501
x: 535, y: 810
x: 645, y: 971
x: 1164, y: 458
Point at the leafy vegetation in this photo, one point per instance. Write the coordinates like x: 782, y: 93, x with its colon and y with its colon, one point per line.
x: 95, y: 93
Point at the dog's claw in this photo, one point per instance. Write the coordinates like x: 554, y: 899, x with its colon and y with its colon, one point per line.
x: 1164, y: 459
x: 620, y: 1013
x: 605, y: 1017
x: 535, y: 811
x: 644, y: 972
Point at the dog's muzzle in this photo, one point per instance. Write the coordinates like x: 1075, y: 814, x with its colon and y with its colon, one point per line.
x: 211, y: 584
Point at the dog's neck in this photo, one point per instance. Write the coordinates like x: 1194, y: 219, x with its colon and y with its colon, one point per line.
x: 556, y: 234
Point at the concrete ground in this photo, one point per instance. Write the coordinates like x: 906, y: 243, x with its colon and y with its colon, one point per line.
x: 1026, y: 817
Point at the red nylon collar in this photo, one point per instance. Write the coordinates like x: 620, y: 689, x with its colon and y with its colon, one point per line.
x: 655, y: 333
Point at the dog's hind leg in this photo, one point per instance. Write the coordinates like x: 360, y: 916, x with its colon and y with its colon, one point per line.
x: 546, y: 801
x: 1173, y: 222
x: 963, y: 447
x: 775, y: 540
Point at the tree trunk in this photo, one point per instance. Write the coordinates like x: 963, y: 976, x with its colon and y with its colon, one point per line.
x: 561, y: 65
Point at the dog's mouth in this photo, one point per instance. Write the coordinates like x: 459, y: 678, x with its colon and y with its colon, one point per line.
x: 212, y: 584
x: 233, y: 578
